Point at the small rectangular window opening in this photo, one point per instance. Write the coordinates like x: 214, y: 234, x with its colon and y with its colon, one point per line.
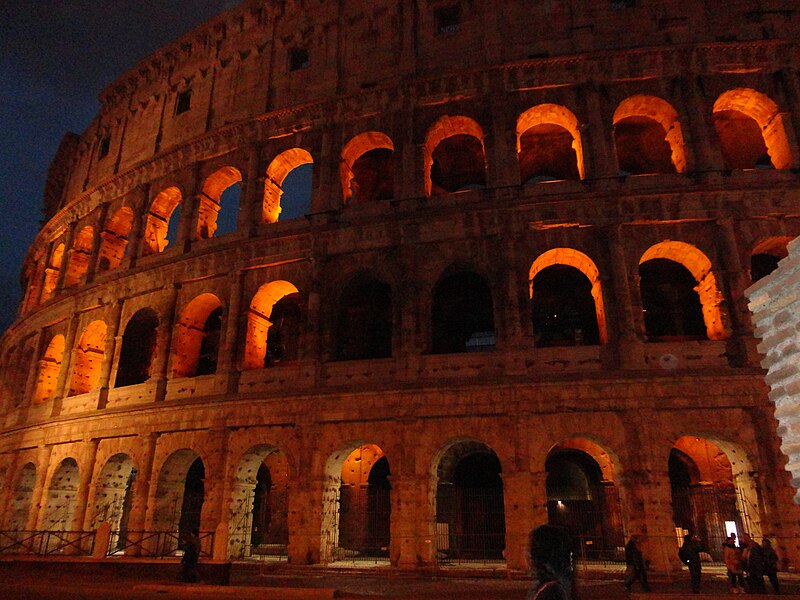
x: 105, y: 146
x: 184, y: 102
x: 298, y: 59
x: 448, y: 19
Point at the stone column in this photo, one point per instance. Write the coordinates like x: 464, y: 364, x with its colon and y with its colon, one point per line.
x: 708, y: 158
x: 215, y: 495
x: 112, y: 343
x: 525, y: 498
x: 230, y: 343
x: 600, y: 162
x: 97, y: 242
x: 624, y: 329
x: 66, y: 258
x: 134, y: 248
x: 325, y: 193
x: 190, y: 213
x: 251, y: 203
x: 7, y: 491
x: 36, y: 513
x: 81, y: 518
x: 141, y: 489
x: 304, y: 519
x: 500, y: 143
x: 158, y: 370
x: 741, y: 345
x: 412, y: 532
x: 62, y: 387
x: 31, y: 377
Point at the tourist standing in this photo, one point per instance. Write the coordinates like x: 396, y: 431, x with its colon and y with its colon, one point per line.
x: 733, y: 562
x: 636, y: 568
x: 690, y: 556
x: 771, y: 565
x: 550, y: 553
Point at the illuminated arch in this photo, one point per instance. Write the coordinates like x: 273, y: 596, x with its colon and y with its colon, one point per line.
x: 48, y: 370
x: 707, y: 288
x: 172, y: 510
x: 763, y: 110
x: 112, y: 498
x: 158, y: 218
x: 277, y: 171
x: 660, y: 111
x: 552, y: 114
x: 584, y: 264
x: 447, y: 127
x: 193, y: 335
x: 211, y: 200
x: 356, y: 148
x: 114, y: 239
x: 88, y: 359
x: 258, y: 321
x: 79, y: 256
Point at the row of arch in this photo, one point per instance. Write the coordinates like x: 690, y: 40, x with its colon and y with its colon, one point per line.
x: 648, y: 139
x: 681, y: 299
x: 711, y: 484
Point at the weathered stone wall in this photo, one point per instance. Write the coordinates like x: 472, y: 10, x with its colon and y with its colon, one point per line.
x: 105, y: 256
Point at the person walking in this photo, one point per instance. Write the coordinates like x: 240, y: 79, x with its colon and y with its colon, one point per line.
x: 550, y: 555
x: 690, y: 556
x: 733, y: 562
x: 771, y: 565
x: 636, y: 569
x: 191, y: 556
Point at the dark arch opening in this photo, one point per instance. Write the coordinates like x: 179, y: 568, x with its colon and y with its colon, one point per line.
x: 741, y: 141
x: 462, y: 315
x: 364, y: 328
x: 209, y: 347
x: 458, y: 164
x: 671, y: 305
x: 193, y: 498
x: 563, y: 308
x: 642, y: 147
x: 296, y: 196
x: 762, y: 265
x: 373, y: 176
x: 283, y: 337
x: 546, y: 154
x: 138, y: 346
x: 228, y: 215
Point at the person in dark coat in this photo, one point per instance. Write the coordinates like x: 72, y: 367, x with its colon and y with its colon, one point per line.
x: 771, y: 565
x: 191, y: 556
x: 753, y: 557
x: 550, y: 554
x: 690, y: 556
x: 636, y: 569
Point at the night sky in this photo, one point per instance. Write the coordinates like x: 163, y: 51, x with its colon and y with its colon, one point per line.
x: 55, y: 58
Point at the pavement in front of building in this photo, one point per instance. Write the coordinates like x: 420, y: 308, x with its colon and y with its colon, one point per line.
x: 309, y: 583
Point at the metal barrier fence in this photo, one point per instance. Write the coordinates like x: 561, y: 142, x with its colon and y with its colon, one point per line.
x: 45, y: 543
x: 156, y: 544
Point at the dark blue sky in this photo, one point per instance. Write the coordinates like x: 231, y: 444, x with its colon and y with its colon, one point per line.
x: 55, y: 58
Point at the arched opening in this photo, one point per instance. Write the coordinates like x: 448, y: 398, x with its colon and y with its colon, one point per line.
x: 680, y: 296
x: 180, y: 494
x: 198, y: 334
x: 364, y: 320
x: 751, y: 131
x: 138, y: 347
x: 367, y: 168
x: 273, y: 325
x: 766, y: 256
x: 470, y: 510
x: 648, y: 137
x: 259, y: 508
x: 48, y: 369
x: 219, y: 203
x: 713, y: 491
x: 88, y: 359
x: 549, y: 144
x: 462, y: 316
x: 79, y: 257
x: 563, y: 309
x: 287, y: 188
x: 582, y: 496
x: 59, y: 509
x: 454, y: 156
x: 112, y: 498
x: 161, y: 227
x: 19, y: 509
x: 356, y: 514
x: 114, y: 239
x: 51, y: 272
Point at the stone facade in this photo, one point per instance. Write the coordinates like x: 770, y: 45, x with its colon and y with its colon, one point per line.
x: 396, y: 347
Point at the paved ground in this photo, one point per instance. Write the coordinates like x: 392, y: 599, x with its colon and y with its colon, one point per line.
x: 315, y: 584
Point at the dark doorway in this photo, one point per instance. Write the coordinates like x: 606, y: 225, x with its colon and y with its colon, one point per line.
x: 138, y: 346
x: 671, y: 305
x: 462, y: 315
x: 564, y: 312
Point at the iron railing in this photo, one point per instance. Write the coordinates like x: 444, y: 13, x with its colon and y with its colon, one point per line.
x: 45, y: 543
x: 156, y: 544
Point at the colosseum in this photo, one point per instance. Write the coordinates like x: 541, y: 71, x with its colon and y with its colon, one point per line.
x: 316, y: 287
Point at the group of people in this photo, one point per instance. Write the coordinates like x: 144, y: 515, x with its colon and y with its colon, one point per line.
x: 748, y: 563
x: 550, y: 554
